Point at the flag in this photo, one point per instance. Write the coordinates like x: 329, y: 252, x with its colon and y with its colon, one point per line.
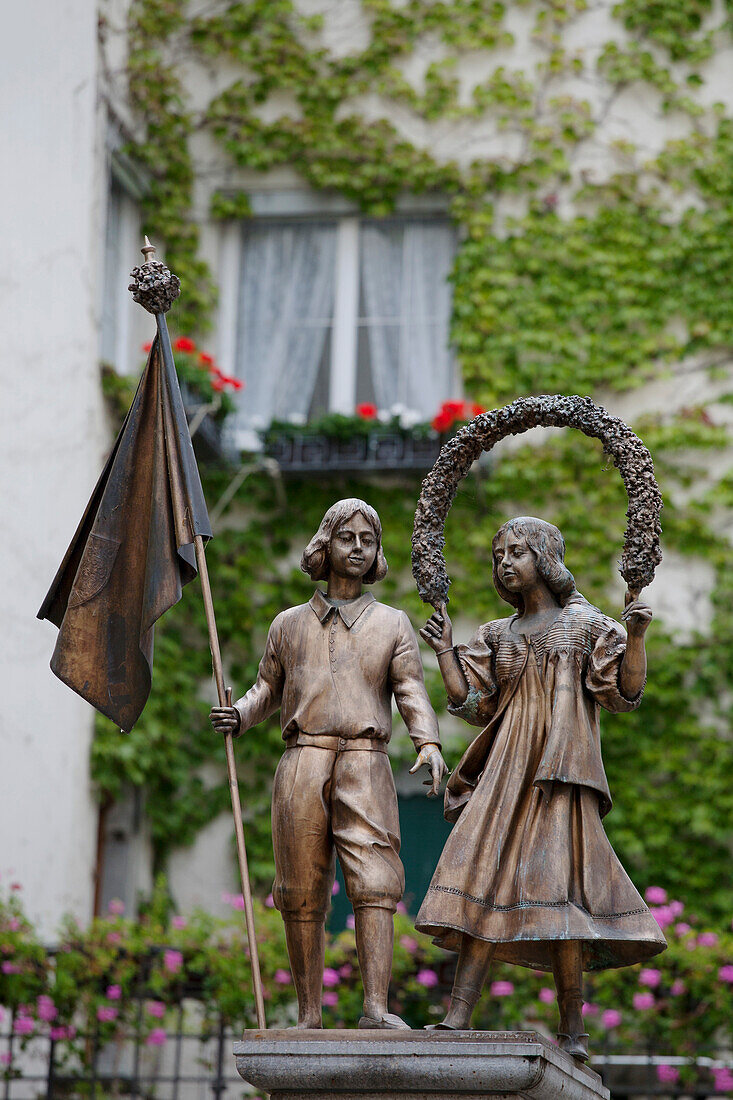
x: 132, y: 552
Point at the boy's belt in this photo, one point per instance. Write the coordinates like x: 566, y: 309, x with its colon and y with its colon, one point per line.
x: 334, y: 742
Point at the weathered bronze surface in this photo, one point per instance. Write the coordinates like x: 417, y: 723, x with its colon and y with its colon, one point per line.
x: 332, y: 666
x: 528, y: 875
x: 134, y: 547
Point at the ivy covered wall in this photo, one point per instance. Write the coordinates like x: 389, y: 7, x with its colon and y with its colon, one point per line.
x: 585, y: 151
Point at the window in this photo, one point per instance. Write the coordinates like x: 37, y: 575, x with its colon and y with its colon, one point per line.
x: 120, y: 319
x: 335, y: 312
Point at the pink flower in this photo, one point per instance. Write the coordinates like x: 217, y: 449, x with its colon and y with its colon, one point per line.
x: 351, y: 921
x: 676, y: 908
x: 402, y: 908
x: 678, y: 987
x: 106, y: 1013
x: 330, y: 976
x: 47, y: 1010
x: 656, y: 895
x: 346, y: 970
x: 662, y: 916
x: 546, y: 995
x: 179, y: 922
x: 725, y: 974
x: 11, y: 968
x: 590, y: 1010
x: 157, y: 1037
x: 330, y: 999
x: 335, y: 889
x: 427, y: 978
x: 723, y: 1079
x: 114, y: 937
x: 24, y: 1025
x: 114, y: 992
x: 651, y: 977
x: 172, y: 961
x: 116, y: 907
x: 282, y: 977
x: 58, y: 1033
x: 611, y: 1017
x: 269, y: 901
x: 682, y: 928
x: 13, y: 924
x: 155, y: 1008
x: 409, y: 944
x: 668, y: 1074
x: 501, y: 989
x: 707, y: 939
x: 6, y: 1058
x: 235, y: 900
x: 643, y: 1000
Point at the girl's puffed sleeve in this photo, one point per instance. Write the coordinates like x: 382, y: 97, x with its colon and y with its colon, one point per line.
x: 604, y: 664
x: 477, y: 662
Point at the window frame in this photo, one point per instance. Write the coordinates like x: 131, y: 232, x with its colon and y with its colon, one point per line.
x: 343, y: 356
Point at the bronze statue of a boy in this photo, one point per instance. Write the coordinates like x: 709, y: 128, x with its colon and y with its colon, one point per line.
x: 332, y: 666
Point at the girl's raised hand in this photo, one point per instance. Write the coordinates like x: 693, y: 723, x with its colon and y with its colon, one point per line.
x: 438, y: 630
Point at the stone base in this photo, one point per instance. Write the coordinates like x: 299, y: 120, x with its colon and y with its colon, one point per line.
x: 412, y: 1065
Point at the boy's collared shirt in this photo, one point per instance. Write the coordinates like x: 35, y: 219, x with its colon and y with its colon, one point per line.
x: 332, y: 670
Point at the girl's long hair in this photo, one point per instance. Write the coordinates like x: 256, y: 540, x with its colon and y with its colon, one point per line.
x: 315, y: 556
x: 548, y: 546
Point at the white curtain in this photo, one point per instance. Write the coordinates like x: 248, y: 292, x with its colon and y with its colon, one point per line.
x: 285, y: 311
x: 406, y: 302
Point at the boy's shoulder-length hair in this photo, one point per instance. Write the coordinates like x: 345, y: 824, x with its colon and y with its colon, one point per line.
x: 548, y: 546
x: 315, y: 562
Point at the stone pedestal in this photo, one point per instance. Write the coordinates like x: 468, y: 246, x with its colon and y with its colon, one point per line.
x: 411, y: 1065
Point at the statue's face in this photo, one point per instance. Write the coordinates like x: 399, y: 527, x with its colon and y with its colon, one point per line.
x: 516, y: 564
x: 353, y: 547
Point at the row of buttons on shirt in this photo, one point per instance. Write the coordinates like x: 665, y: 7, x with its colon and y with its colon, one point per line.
x: 331, y: 646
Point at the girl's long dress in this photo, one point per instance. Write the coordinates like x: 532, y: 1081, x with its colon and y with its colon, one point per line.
x: 528, y: 861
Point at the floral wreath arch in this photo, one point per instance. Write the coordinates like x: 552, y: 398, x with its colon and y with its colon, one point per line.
x: 641, y: 551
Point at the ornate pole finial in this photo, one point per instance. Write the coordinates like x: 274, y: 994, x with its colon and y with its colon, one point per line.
x: 153, y: 286
x: 148, y: 250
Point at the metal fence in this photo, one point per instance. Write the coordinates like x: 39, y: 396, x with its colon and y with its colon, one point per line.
x: 192, y: 1063
x: 191, y: 1058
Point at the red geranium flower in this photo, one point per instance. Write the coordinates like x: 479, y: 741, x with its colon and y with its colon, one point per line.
x: 184, y: 344
x: 147, y: 347
x: 218, y: 384
x: 442, y: 422
x: 367, y: 411
x: 476, y: 410
x: 236, y: 383
x: 206, y: 359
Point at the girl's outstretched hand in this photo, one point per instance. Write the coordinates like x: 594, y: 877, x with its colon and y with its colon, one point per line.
x: 636, y: 615
x: 438, y: 630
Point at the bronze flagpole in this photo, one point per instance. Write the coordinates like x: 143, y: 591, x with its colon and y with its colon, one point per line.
x: 224, y: 700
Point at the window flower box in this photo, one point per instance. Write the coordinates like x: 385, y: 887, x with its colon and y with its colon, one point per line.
x: 371, y: 440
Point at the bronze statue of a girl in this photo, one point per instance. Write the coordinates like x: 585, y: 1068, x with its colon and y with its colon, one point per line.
x: 528, y: 875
